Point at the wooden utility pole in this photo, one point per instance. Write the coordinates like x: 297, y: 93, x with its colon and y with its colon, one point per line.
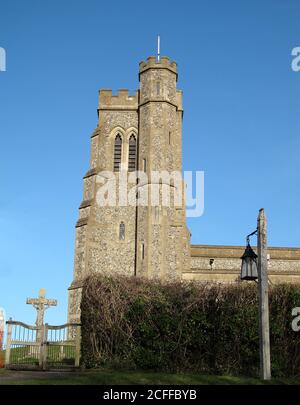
x: 264, y: 328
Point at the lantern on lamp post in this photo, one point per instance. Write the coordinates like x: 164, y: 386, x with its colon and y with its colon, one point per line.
x: 254, y: 267
x: 249, y: 262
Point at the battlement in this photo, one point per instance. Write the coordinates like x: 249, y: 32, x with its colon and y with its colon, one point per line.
x: 163, y: 63
x: 121, y: 101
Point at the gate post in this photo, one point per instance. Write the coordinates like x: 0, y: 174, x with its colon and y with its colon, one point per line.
x: 43, y: 346
x: 77, y: 346
x: 8, y: 343
x: 40, y: 346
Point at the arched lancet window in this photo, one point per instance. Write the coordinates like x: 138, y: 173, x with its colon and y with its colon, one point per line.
x: 117, y: 153
x: 132, y: 154
x: 122, y: 231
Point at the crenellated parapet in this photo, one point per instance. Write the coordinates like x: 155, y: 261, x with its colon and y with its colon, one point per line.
x: 163, y: 63
x: 121, y: 101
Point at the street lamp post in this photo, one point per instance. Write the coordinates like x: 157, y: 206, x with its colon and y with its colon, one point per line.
x: 264, y: 328
x: 253, y: 269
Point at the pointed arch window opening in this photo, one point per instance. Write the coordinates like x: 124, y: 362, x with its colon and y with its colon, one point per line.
x: 117, y: 153
x: 132, y: 154
x: 122, y: 231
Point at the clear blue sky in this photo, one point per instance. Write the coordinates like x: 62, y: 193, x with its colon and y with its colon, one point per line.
x: 241, y: 122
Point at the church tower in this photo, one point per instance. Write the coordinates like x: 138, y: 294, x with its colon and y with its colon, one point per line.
x: 162, y: 236
x: 140, y: 132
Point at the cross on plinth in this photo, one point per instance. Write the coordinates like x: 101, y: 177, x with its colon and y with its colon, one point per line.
x: 41, y: 304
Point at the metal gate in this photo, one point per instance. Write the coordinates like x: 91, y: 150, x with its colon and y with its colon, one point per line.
x: 61, y: 347
x: 46, y: 348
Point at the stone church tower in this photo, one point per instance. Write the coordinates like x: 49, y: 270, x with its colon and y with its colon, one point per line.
x: 135, y: 132
x: 143, y: 132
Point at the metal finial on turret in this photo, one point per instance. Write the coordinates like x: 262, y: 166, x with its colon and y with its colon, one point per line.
x: 158, y: 48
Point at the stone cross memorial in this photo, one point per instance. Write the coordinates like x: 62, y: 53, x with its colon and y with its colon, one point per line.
x: 41, y: 304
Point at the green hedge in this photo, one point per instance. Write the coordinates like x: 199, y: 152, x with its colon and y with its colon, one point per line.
x: 207, y: 328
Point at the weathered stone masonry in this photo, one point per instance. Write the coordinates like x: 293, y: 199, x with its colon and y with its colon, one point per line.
x: 223, y: 264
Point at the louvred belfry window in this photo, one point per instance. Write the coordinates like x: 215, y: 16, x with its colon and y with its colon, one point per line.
x: 132, y: 154
x: 117, y: 153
